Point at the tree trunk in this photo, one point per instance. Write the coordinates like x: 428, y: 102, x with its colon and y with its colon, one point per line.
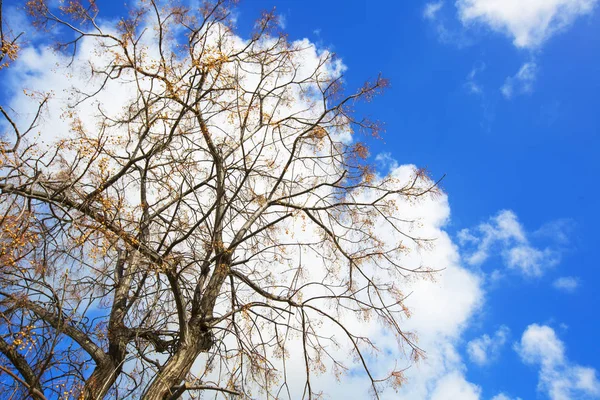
x: 101, y: 380
x: 178, y: 366
x: 172, y: 374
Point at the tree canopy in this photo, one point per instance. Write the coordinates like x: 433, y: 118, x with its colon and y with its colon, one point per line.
x: 195, y: 214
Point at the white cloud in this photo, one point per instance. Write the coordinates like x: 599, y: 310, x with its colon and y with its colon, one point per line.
x: 431, y: 9
x: 385, y: 161
x: 528, y: 23
x: 471, y: 84
x: 282, y: 21
x: 447, y: 30
x: 504, y: 235
x: 521, y: 82
x: 566, y: 284
x: 559, y: 230
x: 503, y: 396
x: 485, y: 349
x: 559, y: 378
x: 529, y: 260
x: 504, y: 227
x: 441, y: 309
x: 454, y: 386
x: 540, y: 345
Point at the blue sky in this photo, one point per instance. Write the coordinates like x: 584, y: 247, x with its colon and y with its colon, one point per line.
x: 502, y: 98
x: 534, y: 152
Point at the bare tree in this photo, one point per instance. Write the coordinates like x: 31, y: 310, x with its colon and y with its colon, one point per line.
x: 186, y: 242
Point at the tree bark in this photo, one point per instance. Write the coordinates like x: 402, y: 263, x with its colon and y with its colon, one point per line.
x: 101, y: 380
x: 20, y: 363
x: 178, y: 366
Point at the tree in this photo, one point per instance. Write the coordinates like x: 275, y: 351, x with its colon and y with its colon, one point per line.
x: 202, y: 210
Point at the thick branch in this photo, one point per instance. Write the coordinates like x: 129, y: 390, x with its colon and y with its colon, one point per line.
x: 62, y: 326
x: 32, y: 381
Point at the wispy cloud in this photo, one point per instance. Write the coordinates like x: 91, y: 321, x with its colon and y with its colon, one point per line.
x: 431, y: 9
x: 567, y: 284
x: 386, y: 162
x: 559, y: 230
x: 521, y: 82
x: 471, y: 84
x: 503, y: 396
x: 448, y: 30
x: 281, y: 21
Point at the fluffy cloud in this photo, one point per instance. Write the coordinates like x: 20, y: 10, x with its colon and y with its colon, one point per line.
x: 503, y: 234
x: 486, y: 348
x: 529, y: 260
x: 441, y: 310
x: 540, y: 345
x: 566, y: 284
x: 454, y: 386
x: 559, y: 378
x: 521, y: 82
x: 528, y: 23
